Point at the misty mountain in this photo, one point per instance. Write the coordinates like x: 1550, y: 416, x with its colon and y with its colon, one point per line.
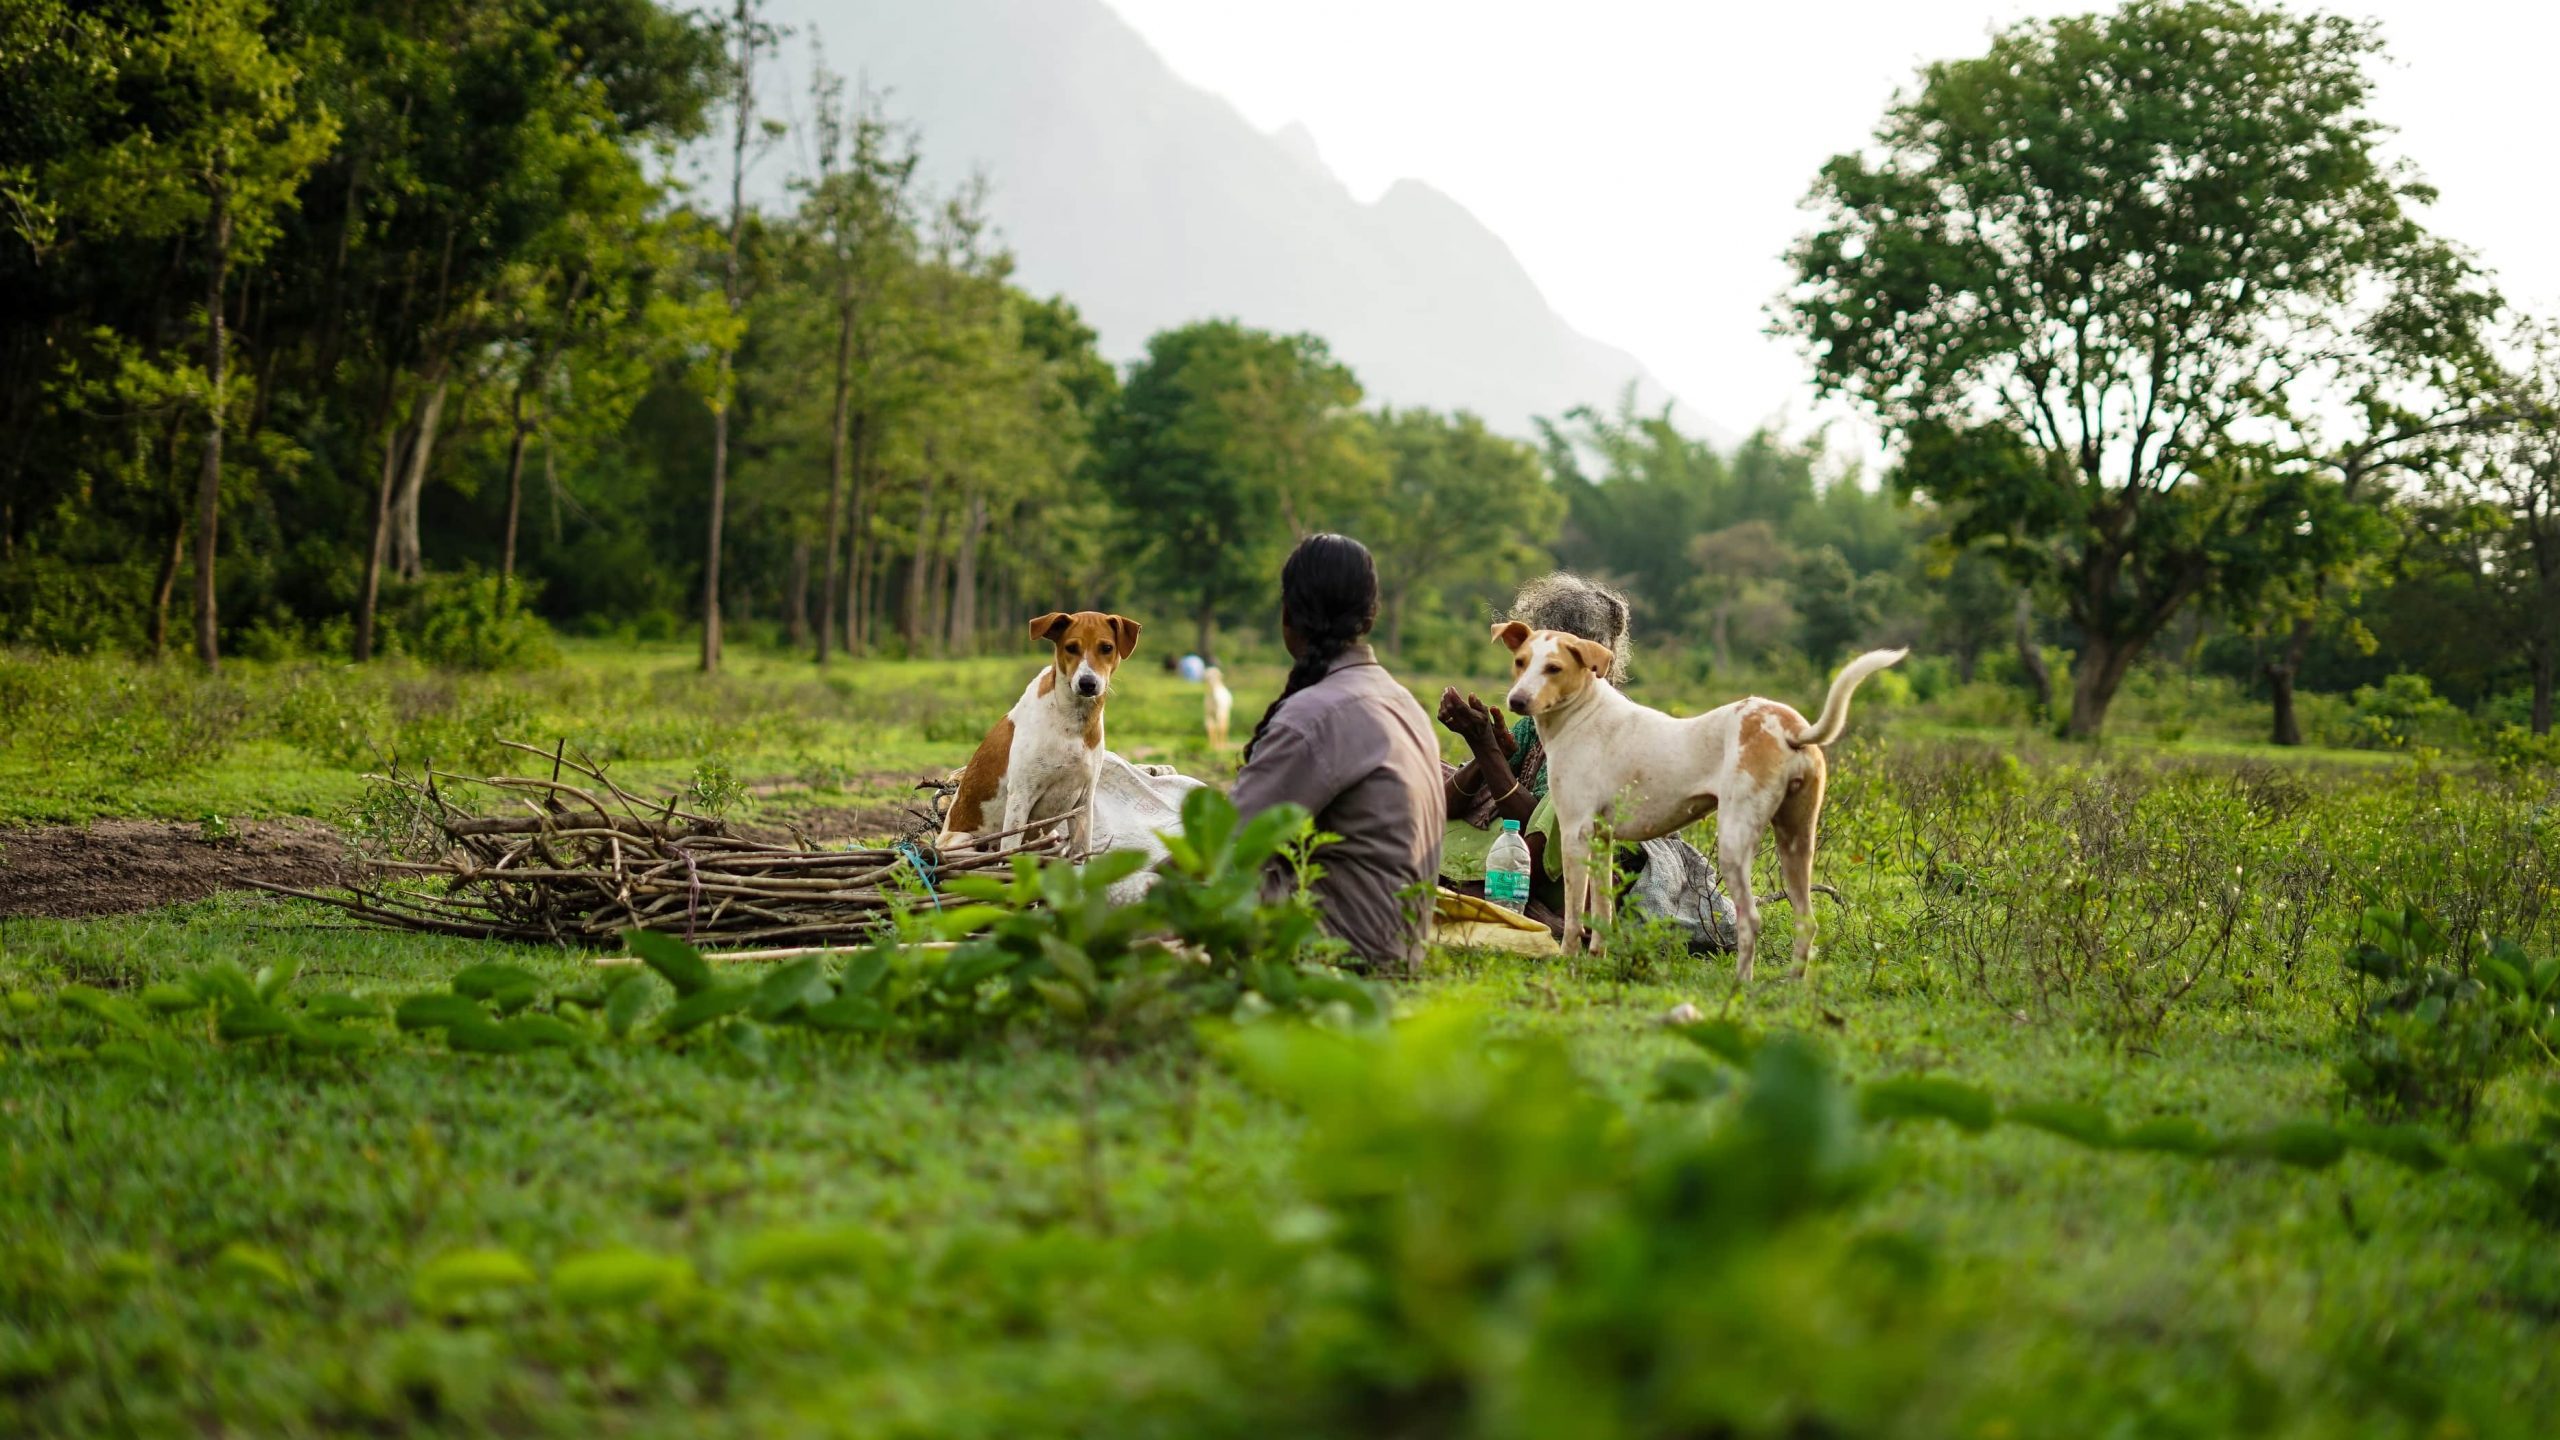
x: 1149, y: 203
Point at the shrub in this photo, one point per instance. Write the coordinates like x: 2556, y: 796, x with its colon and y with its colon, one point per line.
x: 2433, y: 1031
x: 2518, y: 750
x: 2402, y: 711
x: 460, y: 622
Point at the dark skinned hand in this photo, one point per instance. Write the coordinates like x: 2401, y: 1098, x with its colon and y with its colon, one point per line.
x: 1472, y: 720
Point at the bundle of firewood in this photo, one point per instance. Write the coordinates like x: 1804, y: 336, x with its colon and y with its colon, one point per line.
x: 579, y: 860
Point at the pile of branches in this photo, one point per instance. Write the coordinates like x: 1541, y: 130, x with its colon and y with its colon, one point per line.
x: 579, y: 860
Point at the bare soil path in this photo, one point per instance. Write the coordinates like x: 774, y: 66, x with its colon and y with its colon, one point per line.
x: 112, y: 867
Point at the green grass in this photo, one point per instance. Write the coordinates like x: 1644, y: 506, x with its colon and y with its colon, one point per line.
x: 1047, y: 1246
x: 82, y: 739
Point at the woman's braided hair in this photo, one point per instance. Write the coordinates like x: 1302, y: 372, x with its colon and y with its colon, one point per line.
x: 1329, y: 596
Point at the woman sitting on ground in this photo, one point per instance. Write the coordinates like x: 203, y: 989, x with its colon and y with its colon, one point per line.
x: 1349, y: 743
x: 1505, y: 778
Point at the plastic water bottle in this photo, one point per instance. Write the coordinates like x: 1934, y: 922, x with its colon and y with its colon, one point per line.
x: 1506, y: 869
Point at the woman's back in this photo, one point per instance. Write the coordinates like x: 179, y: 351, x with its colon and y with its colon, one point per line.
x: 1358, y: 751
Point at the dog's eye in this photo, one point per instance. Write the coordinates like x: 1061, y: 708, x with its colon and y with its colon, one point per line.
x: 1075, y: 649
x: 1554, y: 669
x: 1103, y: 649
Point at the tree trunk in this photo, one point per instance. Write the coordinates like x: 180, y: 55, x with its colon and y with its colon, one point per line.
x: 1207, y: 617
x: 515, y: 506
x: 964, y: 577
x: 2280, y: 677
x: 837, y: 461
x: 209, y: 483
x: 408, y: 554
x: 911, y: 624
x: 2542, y: 676
x: 167, y: 586
x: 1968, y: 656
x: 2094, y: 679
x: 729, y: 291
x: 796, y: 618
x: 1724, y: 639
x: 2031, y: 660
x: 711, y: 556
x: 369, y: 600
x: 1395, y: 620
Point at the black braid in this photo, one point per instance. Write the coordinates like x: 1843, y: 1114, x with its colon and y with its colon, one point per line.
x: 1329, y: 596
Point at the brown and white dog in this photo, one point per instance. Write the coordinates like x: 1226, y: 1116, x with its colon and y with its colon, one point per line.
x: 1756, y: 763
x: 1040, y: 760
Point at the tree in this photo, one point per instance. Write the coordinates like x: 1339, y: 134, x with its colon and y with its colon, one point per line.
x: 223, y: 149
x: 749, y: 36
x: 1458, y: 499
x: 2519, y: 482
x: 860, y: 211
x: 1228, y: 444
x: 2102, y: 283
x: 1738, y: 581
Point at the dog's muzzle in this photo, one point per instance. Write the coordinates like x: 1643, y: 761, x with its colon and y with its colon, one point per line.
x: 1519, y: 704
x: 1088, y: 685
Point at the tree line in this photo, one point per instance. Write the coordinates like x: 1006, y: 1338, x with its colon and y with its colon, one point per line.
x: 340, y: 318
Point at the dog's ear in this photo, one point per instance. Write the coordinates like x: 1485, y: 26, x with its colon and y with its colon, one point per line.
x: 1593, y: 654
x: 1125, y: 631
x: 1512, y: 634
x: 1050, y: 626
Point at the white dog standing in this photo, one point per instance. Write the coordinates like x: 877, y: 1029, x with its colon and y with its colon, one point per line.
x: 1756, y: 763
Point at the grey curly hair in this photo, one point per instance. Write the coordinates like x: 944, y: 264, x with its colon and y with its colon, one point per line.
x: 1580, y: 606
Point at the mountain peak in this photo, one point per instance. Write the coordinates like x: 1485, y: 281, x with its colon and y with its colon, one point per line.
x: 1150, y: 203
x: 1297, y: 142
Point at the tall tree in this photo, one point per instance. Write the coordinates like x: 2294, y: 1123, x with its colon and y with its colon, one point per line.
x: 860, y: 212
x: 1458, y: 499
x: 1230, y: 442
x: 749, y: 38
x: 223, y: 148
x: 2100, y: 282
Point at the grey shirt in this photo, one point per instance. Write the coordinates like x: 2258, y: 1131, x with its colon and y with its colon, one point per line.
x: 1357, y: 751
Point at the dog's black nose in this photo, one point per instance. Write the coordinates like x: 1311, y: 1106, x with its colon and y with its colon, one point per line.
x: 1087, y: 685
x: 1519, y: 706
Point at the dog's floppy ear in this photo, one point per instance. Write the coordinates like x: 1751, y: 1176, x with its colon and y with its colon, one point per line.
x: 1512, y: 634
x: 1593, y: 654
x: 1050, y: 626
x: 1125, y: 631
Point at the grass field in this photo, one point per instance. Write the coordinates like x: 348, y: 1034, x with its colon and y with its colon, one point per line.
x: 1487, y: 1225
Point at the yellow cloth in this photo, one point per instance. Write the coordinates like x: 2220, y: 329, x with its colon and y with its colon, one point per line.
x: 1469, y: 923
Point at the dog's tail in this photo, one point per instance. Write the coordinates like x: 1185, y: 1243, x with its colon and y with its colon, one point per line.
x: 1835, y: 706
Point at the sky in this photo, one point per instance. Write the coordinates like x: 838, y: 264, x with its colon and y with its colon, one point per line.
x: 1646, y: 159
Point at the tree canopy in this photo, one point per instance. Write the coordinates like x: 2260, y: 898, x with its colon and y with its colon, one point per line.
x: 2131, y: 289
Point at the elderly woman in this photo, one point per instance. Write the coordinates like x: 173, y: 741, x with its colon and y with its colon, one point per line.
x: 1505, y: 777
x: 1349, y: 743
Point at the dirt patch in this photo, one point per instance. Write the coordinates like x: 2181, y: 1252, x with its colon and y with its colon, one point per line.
x: 785, y: 814
x: 112, y: 867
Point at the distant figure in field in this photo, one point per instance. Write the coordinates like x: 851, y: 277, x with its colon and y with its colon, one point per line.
x: 1216, y: 702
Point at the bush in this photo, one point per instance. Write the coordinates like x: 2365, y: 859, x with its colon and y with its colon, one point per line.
x: 2441, y: 1026
x: 2518, y: 750
x: 2404, y: 710
x: 460, y: 622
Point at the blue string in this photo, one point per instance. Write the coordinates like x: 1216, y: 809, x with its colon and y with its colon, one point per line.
x: 915, y: 859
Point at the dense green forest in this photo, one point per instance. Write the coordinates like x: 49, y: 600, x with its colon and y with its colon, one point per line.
x: 345, y: 330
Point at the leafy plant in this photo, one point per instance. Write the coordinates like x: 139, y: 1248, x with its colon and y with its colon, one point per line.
x: 2432, y: 1031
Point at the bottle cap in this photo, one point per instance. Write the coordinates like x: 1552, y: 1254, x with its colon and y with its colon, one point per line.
x: 1511, y: 825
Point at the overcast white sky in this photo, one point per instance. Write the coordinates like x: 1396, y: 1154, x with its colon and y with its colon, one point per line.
x: 1645, y: 158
